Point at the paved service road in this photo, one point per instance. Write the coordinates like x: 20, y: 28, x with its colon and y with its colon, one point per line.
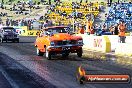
x: 59, y: 72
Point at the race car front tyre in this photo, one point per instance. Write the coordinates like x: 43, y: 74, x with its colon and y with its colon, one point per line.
x: 13, y: 41
x: 17, y: 40
x: 1, y: 40
x: 39, y: 53
x: 79, y: 53
x: 48, y: 55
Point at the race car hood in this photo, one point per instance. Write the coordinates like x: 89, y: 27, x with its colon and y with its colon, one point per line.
x: 64, y: 36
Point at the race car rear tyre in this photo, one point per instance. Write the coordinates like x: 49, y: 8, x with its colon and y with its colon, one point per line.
x: 17, y: 40
x: 79, y: 53
x: 39, y: 53
x: 48, y: 55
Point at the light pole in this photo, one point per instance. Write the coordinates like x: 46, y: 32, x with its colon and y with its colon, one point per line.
x: 73, y: 22
x: 2, y: 1
x: 74, y: 15
x: 49, y: 2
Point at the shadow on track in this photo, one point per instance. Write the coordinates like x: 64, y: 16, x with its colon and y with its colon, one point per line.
x: 22, y: 76
x: 69, y: 58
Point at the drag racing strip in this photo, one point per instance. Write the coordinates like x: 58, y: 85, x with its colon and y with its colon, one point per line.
x: 52, y: 70
x: 8, y: 78
x: 47, y: 71
x: 5, y: 80
x: 20, y: 77
x: 60, y: 72
x: 42, y: 67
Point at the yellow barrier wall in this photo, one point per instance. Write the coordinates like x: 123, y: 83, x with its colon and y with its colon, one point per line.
x: 24, y: 28
x: 26, y: 32
x: 32, y: 33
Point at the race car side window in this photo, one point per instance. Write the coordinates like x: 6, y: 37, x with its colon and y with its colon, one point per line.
x: 45, y: 33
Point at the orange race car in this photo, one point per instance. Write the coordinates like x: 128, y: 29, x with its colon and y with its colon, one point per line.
x: 56, y: 40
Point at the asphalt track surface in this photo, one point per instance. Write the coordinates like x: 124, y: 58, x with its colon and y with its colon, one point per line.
x: 24, y: 69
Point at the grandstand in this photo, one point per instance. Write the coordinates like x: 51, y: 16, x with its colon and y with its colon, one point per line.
x: 120, y: 12
x: 69, y: 10
x: 68, y: 13
x: 26, y: 13
x: 64, y: 13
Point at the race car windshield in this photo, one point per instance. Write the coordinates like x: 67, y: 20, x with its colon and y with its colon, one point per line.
x: 59, y: 30
x: 8, y: 29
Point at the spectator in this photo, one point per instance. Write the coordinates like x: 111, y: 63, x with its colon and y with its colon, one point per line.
x: 45, y: 24
x: 96, y: 27
x: 11, y: 21
x: 92, y: 30
x: 1, y: 24
x: 50, y: 23
x: 29, y: 24
x: 81, y: 31
x: 122, y: 29
x: 16, y: 23
x: 112, y: 28
x: 104, y: 29
x: 64, y: 13
x: 116, y: 29
x: 60, y: 24
x: 7, y: 22
x: 80, y: 1
x: 88, y: 27
x: 0, y: 20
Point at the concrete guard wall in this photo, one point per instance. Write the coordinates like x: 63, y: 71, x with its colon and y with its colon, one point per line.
x: 124, y: 49
x: 97, y: 43
x: 114, y: 39
x: 108, y: 43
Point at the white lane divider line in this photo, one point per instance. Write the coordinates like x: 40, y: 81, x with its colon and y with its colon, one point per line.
x: 9, y: 79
